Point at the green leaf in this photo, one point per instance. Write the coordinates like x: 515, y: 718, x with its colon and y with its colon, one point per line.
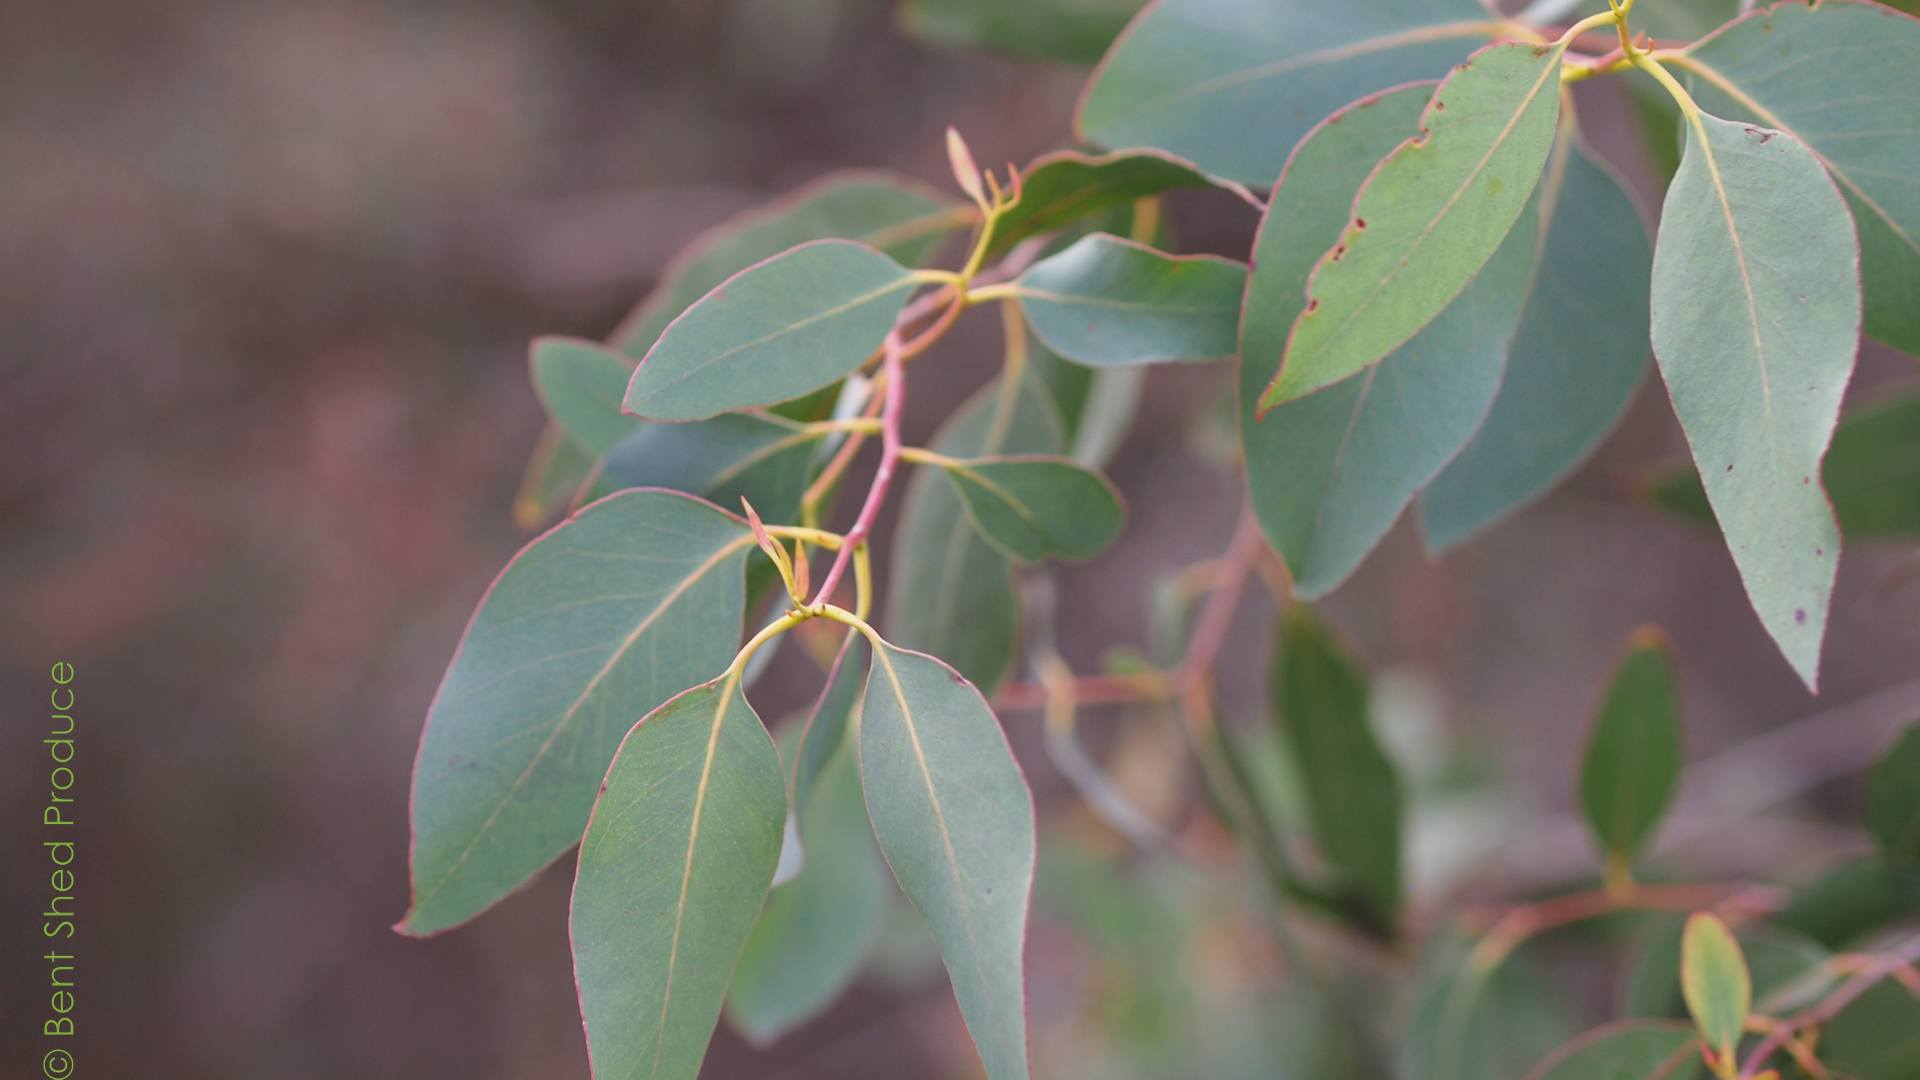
x: 952, y: 593
x: 1674, y: 20
x: 1876, y: 1036
x: 1890, y: 798
x: 1067, y: 186
x: 1854, y: 900
x: 766, y: 460
x: 776, y: 330
x: 1431, y: 215
x: 1471, y: 1022
x: 1776, y: 958
x: 1270, y: 72
x: 1756, y: 320
x: 673, y: 867
x: 1628, y: 1050
x: 1069, y: 31
x: 553, y: 476
x: 1556, y: 404
x: 590, y: 626
x: 1634, y: 755
x: 1872, y: 474
x: 1354, y: 800
x: 1035, y: 508
x: 1111, y: 301
x: 955, y: 821
x: 1837, y: 76
x: 1713, y: 979
x: 826, y: 724
x: 1328, y: 474
x: 818, y: 928
x: 581, y: 385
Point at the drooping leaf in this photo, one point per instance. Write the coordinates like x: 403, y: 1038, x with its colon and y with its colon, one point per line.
x: 1035, y: 508
x: 1854, y: 900
x: 1756, y: 320
x: 776, y: 330
x: 1714, y: 981
x: 673, y: 867
x: 818, y: 928
x: 1872, y: 474
x: 955, y: 821
x: 1837, y: 76
x: 1427, y: 219
x: 950, y: 592
x: 1557, y: 403
x: 1629, y: 1050
x: 1890, y: 797
x: 826, y: 724
x: 1061, y: 188
x: 581, y: 384
x: 1328, y: 474
x: 1633, y: 758
x: 1354, y: 800
x: 1877, y: 1035
x: 1068, y: 31
x: 1271, y: 69
x: 763, y: 459
x: 1111, y: 301
x: 591, y: 625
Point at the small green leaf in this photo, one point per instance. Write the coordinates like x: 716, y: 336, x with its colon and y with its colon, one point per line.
x: 554, y: 474
x: 1270, y: 72
x: 1069, y: 31
x: 591, y: 625
x: 1628, y: 1050
x: 673, y: 867
x: 1854, y: 900
x: 776, y: 330
x: 955, y: 822
x: 1713, y: 979
x: 1065, y: 187
x: 1890, y: 798
x: 1872, y: 473
x: 1329, y: 474
x: 1776, y: 958
x: 1633, y: 757
x: 763, y: 459
x: 1756, y: 320
x: 1431, y: 215
x: 1354, y: 800
x: 1035, y: 508
x: 1111, y: 301
x: 581, y: 384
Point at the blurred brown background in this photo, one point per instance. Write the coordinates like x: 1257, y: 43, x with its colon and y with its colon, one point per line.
x: 269, y: 274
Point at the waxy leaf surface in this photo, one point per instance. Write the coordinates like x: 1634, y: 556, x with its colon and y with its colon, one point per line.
x: 581, y: 384
x: 1431, y: 215
x: 1634, y: 755
x: 1111, y: 301
x: 1035, y: 508
x: 588, y: 628
x: 955, y: 821
x: 672, y: 871
x: 779, y: 329
x: 1062, y: 188
x: 1756, y: 320
x: 1231, y: 85
x: 764, y: 459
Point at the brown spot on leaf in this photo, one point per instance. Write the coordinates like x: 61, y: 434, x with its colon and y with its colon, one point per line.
x: 1800, y: 616
x: 1360, y: 223
x: 1313, y: 304
x: 1439, y: 106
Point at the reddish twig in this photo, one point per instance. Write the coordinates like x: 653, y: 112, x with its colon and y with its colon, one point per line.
x: 893, y: 370
x: 1882, y: 967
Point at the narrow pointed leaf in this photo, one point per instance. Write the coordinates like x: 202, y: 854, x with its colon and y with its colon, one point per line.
x: 1035, y: 508
x: 1838, y: 76
x: 1890, y: 798
x: 776, y: 330
x: 763, y: 459
x: 672, y: 871
x: 955, y: 821
x: 1557, y: 403
x: 1065, y: 187
x: 1271, y: 69
x: 581, y: 384
x: 1069, y: 31
x: 832, y: 711
x: 1631, y: 1050
x: 1328, y: 474
x: 1111, y: 301
x: 1428, y: 219
x: 1872, y: 474
x: 1756, y: 320
x: 1714, y: 981
x: 1633, y: 758
x: 591, y: 625
x: 1354, y: 800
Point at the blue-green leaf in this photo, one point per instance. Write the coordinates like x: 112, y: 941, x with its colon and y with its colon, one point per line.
x: 1111, y: 301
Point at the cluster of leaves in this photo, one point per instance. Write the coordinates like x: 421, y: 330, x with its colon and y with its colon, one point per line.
x: 1446, y: 306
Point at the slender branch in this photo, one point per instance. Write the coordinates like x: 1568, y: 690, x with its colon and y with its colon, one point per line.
x: 894, y: 372
x: 1195, y: 674
x: 1884, y: 966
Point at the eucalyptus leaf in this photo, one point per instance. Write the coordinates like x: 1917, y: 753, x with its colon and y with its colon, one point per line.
x: 1756, y: 320
x: 1714, y: 981
x: 832, y: 712
x: 1111, y: 301
x: 1427, y: 219
x: 673, y: 868
x: 590, y: 626
x: 1776, y: 959
x: 776, y: 330
x: 1035, y: 508
x: 1853, y: 901
x: 1472, y: 1022
x: 763, y: 459
x: 1068, y: 31
x: 1633, y: 758
x: 1878, y: 1035
x: 1231, y: 85
x: 581, y: 384
x: 1890, y: 798
x: 955, y: 821
x: 1629, y: 1050
x: 553, y: 475
x: 1065, y: 187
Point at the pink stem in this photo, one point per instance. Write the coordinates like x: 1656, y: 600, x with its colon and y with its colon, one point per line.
x: 896, y: 390
x: 1834, y: 1004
